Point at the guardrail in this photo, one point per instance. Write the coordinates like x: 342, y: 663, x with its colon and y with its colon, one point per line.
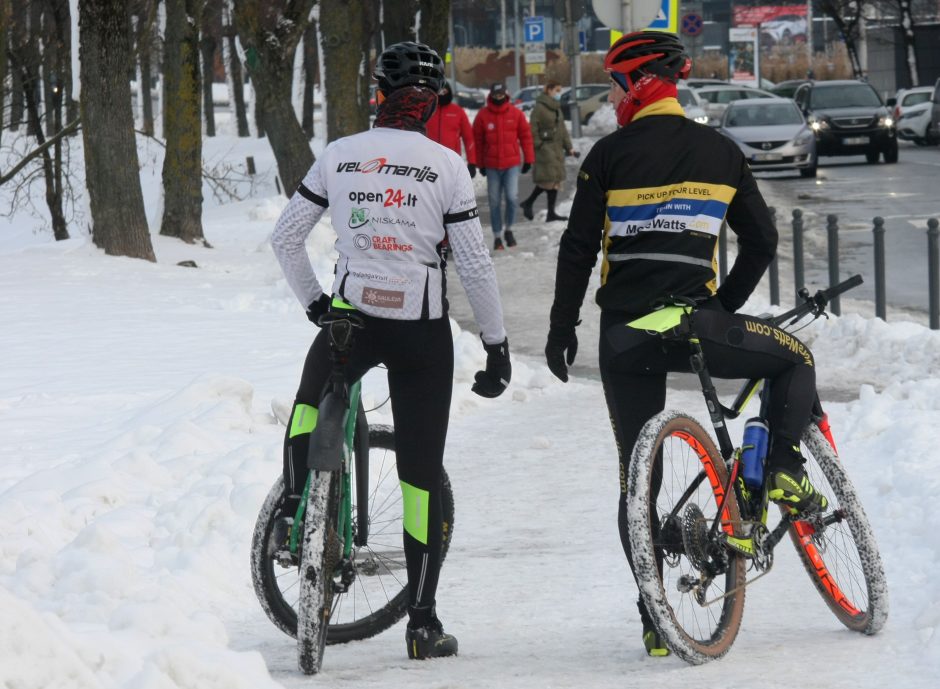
x: 832, y: 243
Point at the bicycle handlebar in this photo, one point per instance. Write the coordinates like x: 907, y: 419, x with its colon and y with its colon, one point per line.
x: 816, y: 304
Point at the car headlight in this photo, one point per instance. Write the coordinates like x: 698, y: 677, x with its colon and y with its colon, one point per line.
x: 818, y: 124
x: 463, y: 94
x: 886, y: 121
x: 702, y: 119
x: 804, y: 137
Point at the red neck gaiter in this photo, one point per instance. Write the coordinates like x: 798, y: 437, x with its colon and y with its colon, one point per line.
x: 407, y: 108
x: 647, y: 90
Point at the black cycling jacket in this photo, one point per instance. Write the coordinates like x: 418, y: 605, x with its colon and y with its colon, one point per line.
x: 652, y: 197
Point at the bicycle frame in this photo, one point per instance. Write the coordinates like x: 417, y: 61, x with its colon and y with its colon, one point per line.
x: 337, y: 412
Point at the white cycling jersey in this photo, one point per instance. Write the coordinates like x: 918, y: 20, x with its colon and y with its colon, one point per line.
x: 391, y: 194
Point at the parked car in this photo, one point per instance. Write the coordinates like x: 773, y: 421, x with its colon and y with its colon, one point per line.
x: 469, y: 97
x: 590, y: 98
x: 784, y: 29
x: 524, y: 98
x: 690, y: 102
x: 717, y: 97
x: 699, y: 82
x: 786, y: 89
x: 848, y: 118
x: 772, y: 133
x: 912, y: 111
x: 935, y: 117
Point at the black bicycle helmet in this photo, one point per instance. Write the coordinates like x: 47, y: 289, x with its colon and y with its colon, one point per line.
x: 650, y: 52
x: 409, y: 63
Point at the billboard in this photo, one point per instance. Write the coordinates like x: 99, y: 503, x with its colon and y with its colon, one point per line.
x: 778, y: 24
x: 743, y: 58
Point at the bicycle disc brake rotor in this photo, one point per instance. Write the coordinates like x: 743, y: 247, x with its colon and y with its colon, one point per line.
x: 695, y: 536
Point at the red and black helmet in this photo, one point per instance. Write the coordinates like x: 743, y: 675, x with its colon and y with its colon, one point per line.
x: 649, y: 52
x: 409, y: 64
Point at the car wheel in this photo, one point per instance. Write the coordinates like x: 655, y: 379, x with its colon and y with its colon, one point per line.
x: 587, y: 118
x: 891, y: 152
x: 872, y: 156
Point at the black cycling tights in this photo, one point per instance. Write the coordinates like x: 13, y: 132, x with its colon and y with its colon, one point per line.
x: 634, y: 363
x: 419, y: 356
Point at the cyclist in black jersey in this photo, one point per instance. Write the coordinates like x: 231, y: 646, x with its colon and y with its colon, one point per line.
x: 652, y: 197
x: 392, y: 192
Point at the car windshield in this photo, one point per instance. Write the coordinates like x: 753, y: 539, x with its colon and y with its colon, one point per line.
x: 915, y: 98
x: 686, y: 98
x: 762, y: 115
x: 847, y: 96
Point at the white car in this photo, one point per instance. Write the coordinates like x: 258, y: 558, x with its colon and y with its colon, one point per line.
x: 716, y: 98
x: 690, y: 102
x: 772, y: 133
x: 912, y: 114
x: 784, y: 29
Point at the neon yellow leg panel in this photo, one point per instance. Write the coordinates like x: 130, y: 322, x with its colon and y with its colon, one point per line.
x: 304, y: 419
x: 415, y: 503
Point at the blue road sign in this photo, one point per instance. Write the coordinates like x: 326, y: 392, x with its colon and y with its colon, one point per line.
x: 534, y: 29
x: 582, y: 41
x: 692, y: 24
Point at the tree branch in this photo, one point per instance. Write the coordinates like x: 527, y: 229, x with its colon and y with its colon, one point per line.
x: 38, y: 151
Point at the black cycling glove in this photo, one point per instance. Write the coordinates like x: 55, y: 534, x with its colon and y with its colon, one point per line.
x: 494, y: 380
x: 318, y: 308
x: 560, y: 350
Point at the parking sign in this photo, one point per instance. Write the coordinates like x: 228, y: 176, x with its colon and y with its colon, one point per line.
x: 534, y: 29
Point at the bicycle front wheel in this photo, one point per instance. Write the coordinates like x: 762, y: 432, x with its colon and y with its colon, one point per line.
x: 842, y: 557
x: 693, y: 587
x: 320, y: 552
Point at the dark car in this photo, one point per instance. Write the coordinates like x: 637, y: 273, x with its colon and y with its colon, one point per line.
x: 934, y: 127
x: 786, y: 89
x: 848, y: 118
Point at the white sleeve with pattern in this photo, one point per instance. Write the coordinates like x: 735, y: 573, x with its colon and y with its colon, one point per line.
x: 472, y: 258
x: 302, y: 213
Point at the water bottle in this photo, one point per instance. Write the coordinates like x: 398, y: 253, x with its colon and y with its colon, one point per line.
x: 753, y: 452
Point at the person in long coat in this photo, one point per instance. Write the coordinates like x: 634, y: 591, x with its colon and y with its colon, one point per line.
x: 552, y: 143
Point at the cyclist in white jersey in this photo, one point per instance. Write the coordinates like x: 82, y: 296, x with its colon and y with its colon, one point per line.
x: 396, y: 199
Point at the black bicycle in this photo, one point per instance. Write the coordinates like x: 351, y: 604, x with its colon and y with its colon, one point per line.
x: 343, y: 577
x: 698, y: 516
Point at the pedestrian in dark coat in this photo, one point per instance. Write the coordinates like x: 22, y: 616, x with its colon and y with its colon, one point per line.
x: 552, y: 144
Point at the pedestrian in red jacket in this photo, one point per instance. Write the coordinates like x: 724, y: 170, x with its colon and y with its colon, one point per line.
x: 499, y: 130
x: 449, y: 125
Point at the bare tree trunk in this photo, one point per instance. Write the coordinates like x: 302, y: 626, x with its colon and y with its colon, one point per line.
x: 208, y: 43
x: 146, y: 21
x: 18, y: 36
x: 398, y: 20
x: 433, y: 31
x: 4, y: 42
x: 111, y: 163
x: 311, y: 74
x: 907, y: 34
x: 234, y: 68
x: 182, y: 166
x: 345, y: 30
x: 50, y: 69
x: 270, y: 36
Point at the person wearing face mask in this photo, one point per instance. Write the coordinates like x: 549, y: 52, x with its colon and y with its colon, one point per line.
x: 394, y: 197
x: 552, y: 143
x: 449, y: 125
x: 499, y: 131
x: 651, y: 198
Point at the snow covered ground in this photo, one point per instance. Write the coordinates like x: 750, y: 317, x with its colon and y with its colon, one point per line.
x: 137, y: 444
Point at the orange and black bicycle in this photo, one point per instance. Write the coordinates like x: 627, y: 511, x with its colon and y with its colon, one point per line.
x: 699, y: 522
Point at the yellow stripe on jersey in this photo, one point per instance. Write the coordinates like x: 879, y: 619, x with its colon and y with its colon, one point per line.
x: 689, y: 190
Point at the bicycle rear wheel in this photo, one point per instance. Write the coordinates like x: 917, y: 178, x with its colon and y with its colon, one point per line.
x: 378, y: 597
x: 842, y: 558
x: 320, y: 552
x: 675, y: 487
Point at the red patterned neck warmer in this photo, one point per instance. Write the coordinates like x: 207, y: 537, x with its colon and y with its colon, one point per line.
x: 647, y: 90
x: 407, y: 108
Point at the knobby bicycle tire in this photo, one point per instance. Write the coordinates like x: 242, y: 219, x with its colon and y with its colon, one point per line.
x: 276, y: 587
x: 843, y: 561
x: 680, y: 448
x: 320, y: 552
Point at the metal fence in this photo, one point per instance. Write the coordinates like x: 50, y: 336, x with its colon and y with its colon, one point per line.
x: 832, y: 242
